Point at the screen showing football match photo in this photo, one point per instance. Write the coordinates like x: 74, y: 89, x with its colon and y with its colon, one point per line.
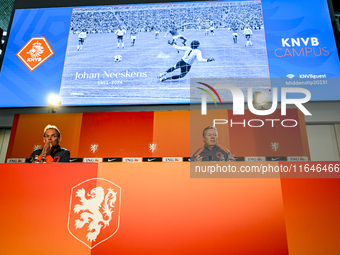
x: 146, y: 54
x: 131, y: 54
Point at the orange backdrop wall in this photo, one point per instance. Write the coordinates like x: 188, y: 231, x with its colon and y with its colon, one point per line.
x: 173, y: 133
x: 164, y: 211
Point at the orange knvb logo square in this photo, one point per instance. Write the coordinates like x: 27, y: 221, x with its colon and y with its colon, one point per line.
x: 35, y: 52
x: 94, y: 211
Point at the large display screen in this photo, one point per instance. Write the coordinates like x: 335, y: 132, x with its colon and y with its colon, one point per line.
x: 147, y: 53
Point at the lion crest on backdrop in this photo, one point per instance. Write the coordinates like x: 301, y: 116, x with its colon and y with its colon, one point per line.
x: 93, y: 216
x: 94, y: 212
x: 36, y: 50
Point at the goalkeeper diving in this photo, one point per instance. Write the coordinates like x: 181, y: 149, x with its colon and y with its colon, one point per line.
x: 191, y: 54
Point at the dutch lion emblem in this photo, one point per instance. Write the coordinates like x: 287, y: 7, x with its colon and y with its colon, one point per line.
x: 91, y: 210
x: 36, y: 50
x: 94, y: 211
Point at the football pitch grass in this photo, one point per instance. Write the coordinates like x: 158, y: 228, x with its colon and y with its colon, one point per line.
x: 91, y: 76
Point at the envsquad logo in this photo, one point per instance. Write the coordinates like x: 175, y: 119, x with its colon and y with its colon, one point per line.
x: 239, y: 101
x: 300, y: 47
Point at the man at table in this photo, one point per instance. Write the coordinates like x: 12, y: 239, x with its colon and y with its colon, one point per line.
x: 212, y: 151
x: 51, y: 152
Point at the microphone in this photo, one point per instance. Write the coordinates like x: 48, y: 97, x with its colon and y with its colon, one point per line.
x: 210, y: 158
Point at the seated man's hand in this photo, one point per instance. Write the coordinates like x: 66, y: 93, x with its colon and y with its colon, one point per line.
x: 231, y: 158
x: 47, y: 150
x: 198, y: 158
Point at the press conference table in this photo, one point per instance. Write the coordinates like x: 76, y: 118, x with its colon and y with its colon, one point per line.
x: 156, y: 208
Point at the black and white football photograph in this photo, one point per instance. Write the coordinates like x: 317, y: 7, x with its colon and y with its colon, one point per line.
x: 147, y: 54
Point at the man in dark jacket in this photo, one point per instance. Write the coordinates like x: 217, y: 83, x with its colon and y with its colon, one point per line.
x: 51, y: 152
x: 212, y: 151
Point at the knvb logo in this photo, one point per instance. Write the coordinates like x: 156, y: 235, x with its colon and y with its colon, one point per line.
x: 94, y: 211
x: 94, y: 147
x: 37, y: 146
x: 275, y: 146
x: 152, y: 147
x: 238, y: 100
x: 35, y: 52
